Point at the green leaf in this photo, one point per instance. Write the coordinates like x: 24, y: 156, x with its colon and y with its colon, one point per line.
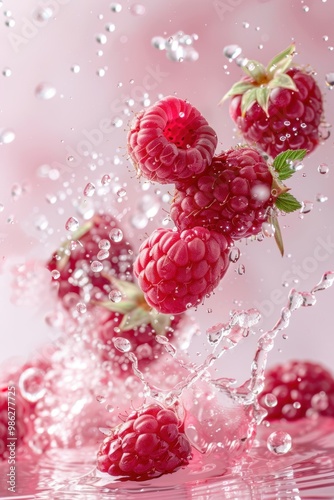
x: 122, y: 307
x: 283, y: 163
x: 134, y: 318
x: 255, y: 70
x: 287, y: 203
x: 281, y: 61
x: 278, y: 235
x: 237, y: 89
x: 262, y: 97
x: 248, y: 100
x: 282, y: 81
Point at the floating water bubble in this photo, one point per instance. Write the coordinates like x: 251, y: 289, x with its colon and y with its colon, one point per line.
x: 279, y: 442
x: 31, y: 384
x: 320, y: 401
x: 41, y: 222
x: 307, y: 206
x: 330, y: 80
x: 116, y: 235
x: 137, y: 9
x: 116, y: 7
x: 89, y: 189
x: 45, y: 91
x: 43, y: 14
x: 121, y: 193
x: 245, y: 24
x: 7, y: 72
x: 115, y: 296
x: 7, y: 136
x: 117, y: 122
x: 241, y: 269
x: 101, y: 38
x: 139, y: 221
x: 55, y: 274
x: 321, y: 198
x: 121, y: 344
x: 110, y: 27
x: 101, y: 72
x: 158, y: 42
x: 270, y: 400
x: 75, y: 68
x: 268, y: 229
x: 306, y: 8
x: 104, y: 244
x: 72, y: 224
x: 232, y: 51
x: 96, y: 266
x: 106, y: 179
x: 102, y: 255
x: 109, y: 409
x: 234, y: 254
x: 101, y: 399
x: 81, y: 307
x: 323, y: 168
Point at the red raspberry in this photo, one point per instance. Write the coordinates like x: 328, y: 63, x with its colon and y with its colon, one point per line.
x: 278, y: 108
x: 151, y: 442
x: 14, y: 414
x: 177, y: 270
x: 171, y: 140
x: 231, y: 196
x: 73, y: 260
x: 134, y: 320
x: 302, y: 388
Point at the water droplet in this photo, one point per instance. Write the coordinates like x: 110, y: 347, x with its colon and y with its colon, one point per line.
x: 241, y: 269
x: 43, y: 14
x: 103, y: 254
x: 16, y: 191
x: 6, y: 136
x: 319, y: 402
x: 330, y: 80
x: 81, y: 307
x: 268, y: 229
x: 116, y: 7
x: 323, y: 168
x: 75, y: 68
x: 96, y: 266
x: 89, y: 189
x: 104, y: 244
x: 245, y: 24
x: 321, y: 198
x: 55, y: 274
x: 139, y: 221
x: 7, y: 72
x: 115, y: 296
x: 158, y: 42
x: 101, y: 38
x: 116, y: 235
x: 106, y: 179
x: 270, y: 400
x: 101, y: 399
x: 109, y: 408
x: 121, y: 344
x: 137, y: 9
x: 110, y: 27
x: 234, y: 254
x: 2, y: 207
x: 279, y: 442
x: 72, y: 224
x: 45, y: 91
x: 31, y: 384
x: 307, y: 206
x: 232, y: 51
x: 101, y: 72
x: 306, y: 8
x: 121, y: 193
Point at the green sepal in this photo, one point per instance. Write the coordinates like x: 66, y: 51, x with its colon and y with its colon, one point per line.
x: 128, y: 289
x: 262, y: 97
x: 247, y: 100
x: 160, y: 322
x: 282, y: 162
x: 122, y: 307
x: 237, y: 89
x: 273, y: 220
x: 287, y: 203
x: 134, y: 318
x: 282, y: 81
x: 281, y: 62
x: 255, y: 70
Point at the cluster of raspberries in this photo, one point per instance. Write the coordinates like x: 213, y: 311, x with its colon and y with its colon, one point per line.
x: 218, y: 199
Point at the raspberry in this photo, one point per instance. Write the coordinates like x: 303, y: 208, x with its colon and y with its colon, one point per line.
x: 177, y: 270
x: 171, y: 140
x: 132, y: 319
x: 14, y: 412
x: 73, y: 260
x: 278, y: 107
x: 302, y: 388
x: 151, y: 442
x: 232, y: 196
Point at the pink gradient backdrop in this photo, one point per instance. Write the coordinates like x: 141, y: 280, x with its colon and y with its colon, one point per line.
x: 48, y: 130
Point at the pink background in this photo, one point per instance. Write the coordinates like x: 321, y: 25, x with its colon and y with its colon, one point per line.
x: 48, y: 131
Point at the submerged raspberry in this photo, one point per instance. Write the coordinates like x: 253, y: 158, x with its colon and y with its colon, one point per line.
x: 151, y: 442
x: 177, y: 270
x: 171, y: 140
x: 301, y: 388
x: 231, y: 196
x: 76, y: 276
